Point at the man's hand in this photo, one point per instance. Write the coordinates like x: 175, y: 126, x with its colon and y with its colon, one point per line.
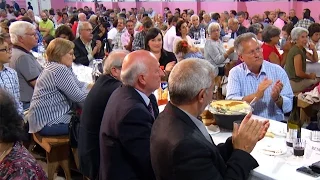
x: 98, y: 44
x: 248, y: 134
x: 276, y: 90
x: 170, y: 66
x: 262, y: 87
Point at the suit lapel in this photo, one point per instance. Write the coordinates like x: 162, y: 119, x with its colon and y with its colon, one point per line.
x: 82, y: 46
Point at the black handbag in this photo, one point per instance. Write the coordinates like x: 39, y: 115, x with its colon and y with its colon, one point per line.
x: 74, y: 127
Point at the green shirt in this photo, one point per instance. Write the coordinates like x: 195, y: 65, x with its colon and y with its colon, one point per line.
x: 289, y: 67
x: 48, y: 25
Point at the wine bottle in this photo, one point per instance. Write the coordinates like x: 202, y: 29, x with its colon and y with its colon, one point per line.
x: 294, y: 123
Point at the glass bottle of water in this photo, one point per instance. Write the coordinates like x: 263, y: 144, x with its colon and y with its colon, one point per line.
x: 41, y: 53
x: 202, y: 35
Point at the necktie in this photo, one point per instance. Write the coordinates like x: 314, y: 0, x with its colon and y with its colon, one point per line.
x: 151, y: 109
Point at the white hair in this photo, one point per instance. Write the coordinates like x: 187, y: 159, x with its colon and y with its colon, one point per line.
x: 130, y: 75
x: 194, y: 16
x: 81, y: 15
x: 19, y: 28
x: 188, y: 77
x: 213, y: 25
x: 114, y: 59
x: 238, y: 47
x: 81, y: 25
x: 233, y: 20
x: 296, y: 33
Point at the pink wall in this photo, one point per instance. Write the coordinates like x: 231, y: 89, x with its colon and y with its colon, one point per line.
x: 127, y: 5
x: 218, y: 6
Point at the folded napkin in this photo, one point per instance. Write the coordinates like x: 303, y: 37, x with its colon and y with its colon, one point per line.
x: 310, y: 97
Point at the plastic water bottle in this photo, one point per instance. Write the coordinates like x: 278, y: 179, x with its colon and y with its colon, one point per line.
x: 202, y: 35
x: 41, y: 53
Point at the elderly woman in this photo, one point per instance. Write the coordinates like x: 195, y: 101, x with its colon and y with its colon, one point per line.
x: 15, y: 160
x: 214, y: 52
x: 56, y: 89
x: 271, y: 37
x: 154, y: 44
x: 256, y: 29
x: 296, y: 60
x: 314, y: 34
x: 64, y: 32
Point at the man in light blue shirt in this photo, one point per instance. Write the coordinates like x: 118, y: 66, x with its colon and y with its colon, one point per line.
x: 264, y: 84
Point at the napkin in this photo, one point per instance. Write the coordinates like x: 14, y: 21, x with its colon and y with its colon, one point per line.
x: 310, y: 97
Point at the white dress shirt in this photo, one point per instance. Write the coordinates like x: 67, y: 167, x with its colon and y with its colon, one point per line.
x: 169, y: 38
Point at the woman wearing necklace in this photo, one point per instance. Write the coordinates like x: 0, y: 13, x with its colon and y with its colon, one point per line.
x: 15, y: 160
x: 296, y: 61
x: 154, y: 44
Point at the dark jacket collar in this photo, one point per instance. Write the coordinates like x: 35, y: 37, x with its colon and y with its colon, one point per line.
x: 22, y: 49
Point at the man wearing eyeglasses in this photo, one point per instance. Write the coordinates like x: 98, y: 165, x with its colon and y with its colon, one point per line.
x: 262, y: 84
x: 86, y: 49
x: 24, y: 38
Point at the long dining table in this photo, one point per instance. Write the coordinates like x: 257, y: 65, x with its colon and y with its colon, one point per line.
x: 276, y: 167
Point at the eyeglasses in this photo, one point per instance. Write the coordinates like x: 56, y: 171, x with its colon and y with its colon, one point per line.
x: 7, y: 50
x: 253, y: 52
x: 31, y: 34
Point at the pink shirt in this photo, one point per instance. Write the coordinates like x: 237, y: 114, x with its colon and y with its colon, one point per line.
x: 125, y: 38
x: 279, y: 23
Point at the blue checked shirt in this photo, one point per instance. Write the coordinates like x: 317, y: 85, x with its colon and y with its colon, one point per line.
x: 242, y: 82
x: 10, y: 83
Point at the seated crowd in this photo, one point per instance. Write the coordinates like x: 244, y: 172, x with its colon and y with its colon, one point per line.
x: 122, y: 134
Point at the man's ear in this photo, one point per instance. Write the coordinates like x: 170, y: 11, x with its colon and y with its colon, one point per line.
x: 201, y: 95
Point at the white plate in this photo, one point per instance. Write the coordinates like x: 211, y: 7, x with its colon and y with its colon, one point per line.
x: 213, y: 129
x: 272, y: 147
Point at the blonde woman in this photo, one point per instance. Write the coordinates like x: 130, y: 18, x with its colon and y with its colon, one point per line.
x: 55, y: 88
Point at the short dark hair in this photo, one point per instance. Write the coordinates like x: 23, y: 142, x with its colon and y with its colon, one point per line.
x: 281, y: 13
x: 151, y: 34
x: 255, y: 28
x: 314, y: 28
x: 306, y: 14
x: 147, y: 23
x: 178, y: 9
x: 66, y: 30
x: 11, y: 123
x: 270, y: 32
x: 173, y: 19
x: 288, y: 28
x: 233, y: 12
x: 215, y: 16
x: 178, y: 27
x: 241, y: 13
x: 48, y: 38
x: 27, y: 19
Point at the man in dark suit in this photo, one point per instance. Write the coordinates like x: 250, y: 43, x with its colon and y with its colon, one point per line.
x: 181, y: 147
x: 86, y: 49
x: 236, y: 28
x: 128, y: 118
x: 92, y: 113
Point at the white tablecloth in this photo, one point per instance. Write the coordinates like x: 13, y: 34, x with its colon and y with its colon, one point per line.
x: 281, y: 167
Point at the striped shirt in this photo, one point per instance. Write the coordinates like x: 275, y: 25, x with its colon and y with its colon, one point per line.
x: 242, y: 82
x: 10, y: 83
x: 56, y: 87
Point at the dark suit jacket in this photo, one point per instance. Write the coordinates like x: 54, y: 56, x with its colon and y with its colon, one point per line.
x: 179, y: 151
x: 91, y: 117
x: 240, y: 31
x: 125, y: 136
x: 81, y: 53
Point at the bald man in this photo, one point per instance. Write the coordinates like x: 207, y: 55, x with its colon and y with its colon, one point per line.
x: 92, y: 113
x: 128, y: 118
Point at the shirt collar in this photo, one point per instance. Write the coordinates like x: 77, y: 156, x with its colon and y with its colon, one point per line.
x: 22, y: 49
x: 144, y: 97
x: 86, y: 44
x: 4, y: 68
x: 248, y: 72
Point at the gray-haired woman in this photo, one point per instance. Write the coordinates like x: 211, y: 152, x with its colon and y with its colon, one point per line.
x: 296, y: 60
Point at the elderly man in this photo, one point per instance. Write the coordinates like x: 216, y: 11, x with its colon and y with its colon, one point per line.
x: 292, y: 16
x: 75, y: 27
x: 241, y: 18
x: 46, y: 26
x: 116, y: 41
x: 264, y: 84
x: 180, y: 145
x: 281, y: 20
x: 236, y: 28
x: 128, y: 118
x: 86, y: 49
x: 196, y: 26
x: 92, y: 113
x: 24, y: 38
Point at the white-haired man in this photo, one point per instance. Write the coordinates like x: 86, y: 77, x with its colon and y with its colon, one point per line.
x: 24, y: 38
x: 257, y: 80
x: 236, y: 28
x: 128, y: 118
x: 180, y: 145
x: 92, y: 113
x: 196, y: 26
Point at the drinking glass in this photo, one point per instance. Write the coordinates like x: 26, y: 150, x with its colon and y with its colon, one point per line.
x: 298, y: 146
x: 196, y: 35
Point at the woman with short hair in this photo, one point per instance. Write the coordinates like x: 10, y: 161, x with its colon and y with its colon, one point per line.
x: 64, y: 32
x: 314, y: 34
x: 296, y: 61
x: 271, y: 37
x: 56, y: 89
x: 16, y: 162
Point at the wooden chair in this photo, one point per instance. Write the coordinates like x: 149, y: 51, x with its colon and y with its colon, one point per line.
x: 305, y: 109
x: 57, y: 152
